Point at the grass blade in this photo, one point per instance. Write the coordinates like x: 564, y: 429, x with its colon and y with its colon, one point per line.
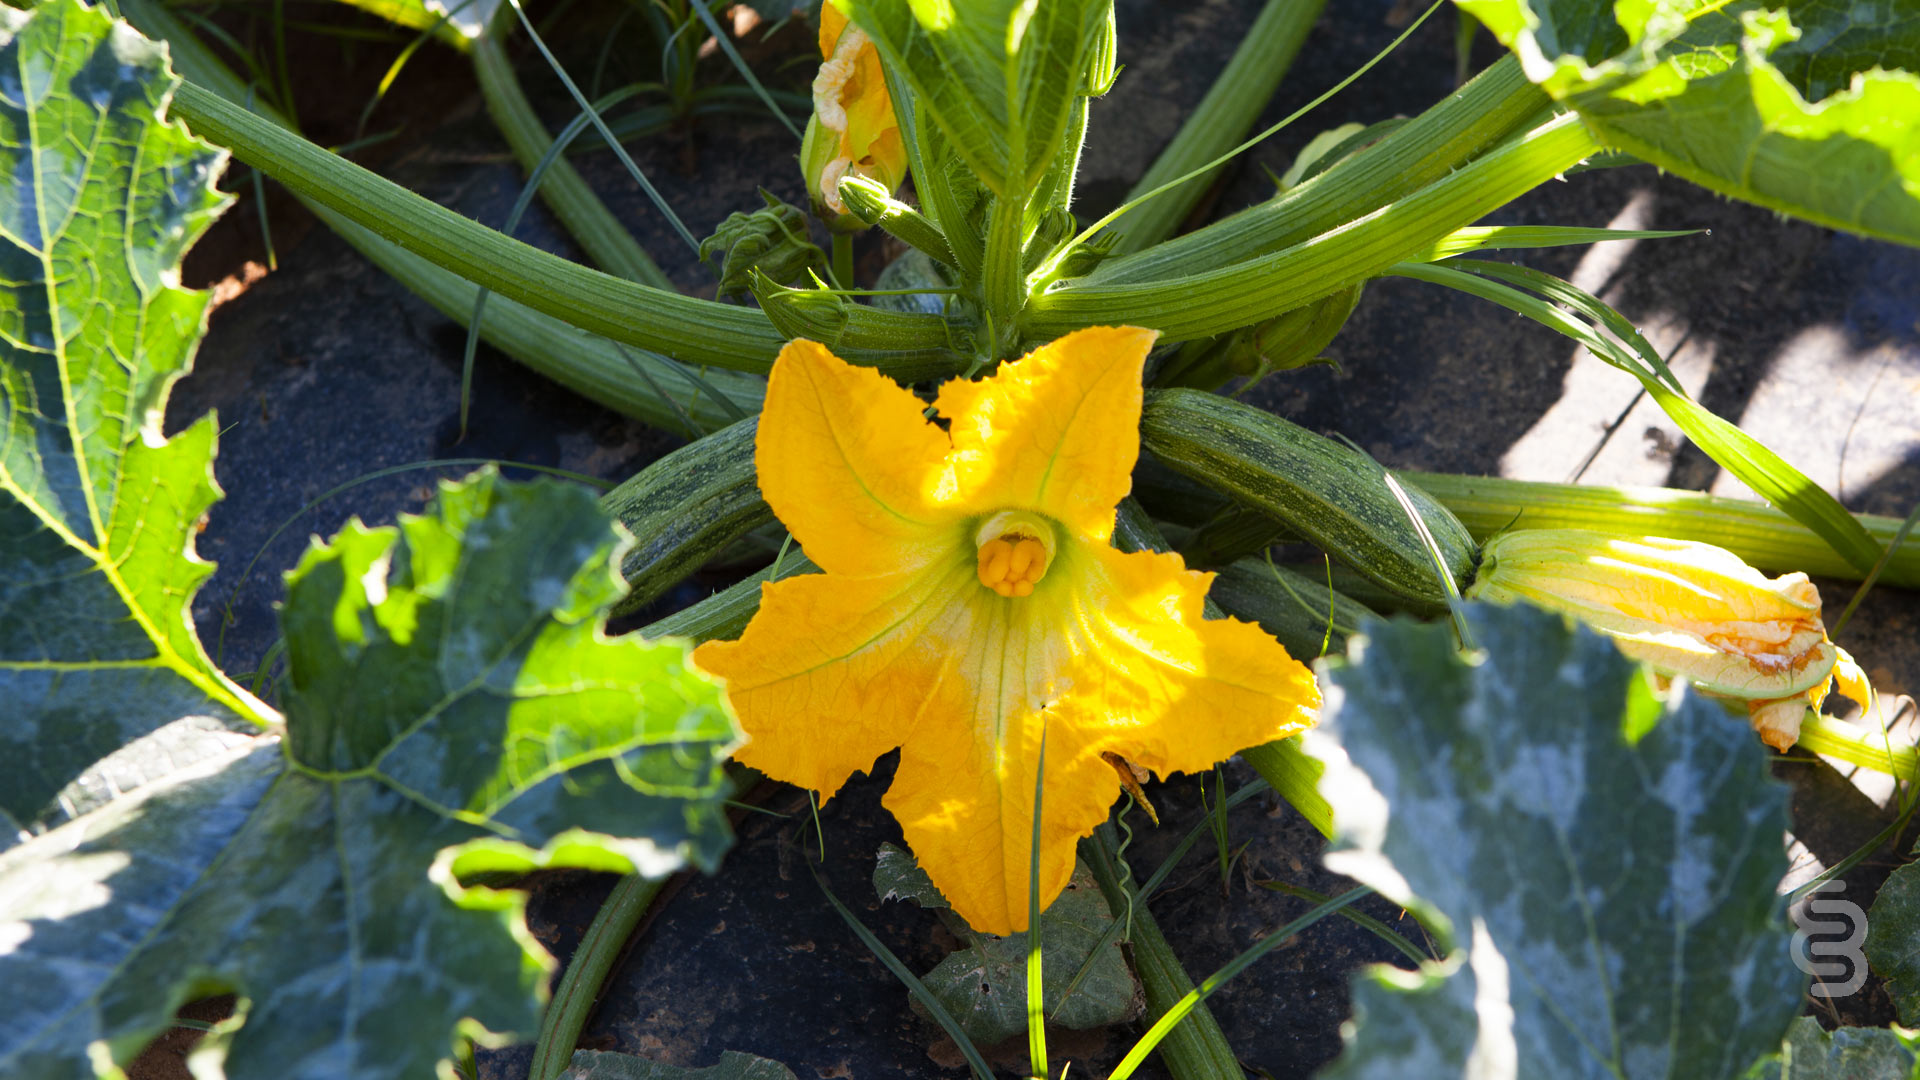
x: 1734, y: 450
x: 720, y: 38
x: 1232, y: 968
x: 520, y: 204
x: 1036, y: 981
x: 981, y: 1070
x: 580, y: 99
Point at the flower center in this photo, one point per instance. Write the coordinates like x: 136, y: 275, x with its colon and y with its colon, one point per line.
x: 1015, y: 550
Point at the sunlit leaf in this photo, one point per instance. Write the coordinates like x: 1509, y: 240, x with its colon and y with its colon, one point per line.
x: 1811, y: 107
x: 453, y: 707
x: 97, y: 509
x: 1000, y: 77
x: 1606, y: 861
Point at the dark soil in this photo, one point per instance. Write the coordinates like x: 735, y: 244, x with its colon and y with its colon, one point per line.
x: 324, y: 371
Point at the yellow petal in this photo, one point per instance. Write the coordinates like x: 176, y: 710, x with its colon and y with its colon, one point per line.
x: 832, y: 22
x: 1056, y: 432
x: 835, y: 671
x: 849, y: 464
x: 1686, y: 608
x: 1116, y: 658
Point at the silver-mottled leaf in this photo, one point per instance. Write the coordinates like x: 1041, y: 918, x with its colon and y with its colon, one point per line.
x: 1607, y: 860
x: 1893, y: 939
x: 455, y: 708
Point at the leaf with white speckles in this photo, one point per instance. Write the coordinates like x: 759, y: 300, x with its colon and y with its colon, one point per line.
x: 453, y: 708
x: 1606, y: 861
x: 1893, y: 939
x: 1848, y: 1053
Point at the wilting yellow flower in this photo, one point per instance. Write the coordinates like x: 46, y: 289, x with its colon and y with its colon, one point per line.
x: 1688, y: 609
x: 973, y: 604
x: 853, y: 131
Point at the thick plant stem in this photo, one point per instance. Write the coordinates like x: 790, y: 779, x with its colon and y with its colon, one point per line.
x: 1221, y: 120
x: 681, y: 327
x: 1759, y: 534
x: 580, y: 985
x: 843, y: 260
x: 1003, y: 273
x: 1498, y: 102
x: 1196, y: 1049
x: 592, y: 366
x: 1865, y: 747
x: 567, y: 193
x: 1204, y: 304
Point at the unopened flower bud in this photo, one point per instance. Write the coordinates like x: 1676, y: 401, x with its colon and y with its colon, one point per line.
x: 852, y: 131
x: 773, y: 239
x: 1689, y: 610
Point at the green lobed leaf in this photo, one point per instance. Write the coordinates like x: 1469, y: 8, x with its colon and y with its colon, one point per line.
x: 97, y: 509
x: 1810, y: 107
x: 1848, y: 1053
x: 733, y: 1065
x: 984, y: 985
x: 1606, y: 860
x: 1893, y: 939
x: 999, y: 77
x: 453, y: 706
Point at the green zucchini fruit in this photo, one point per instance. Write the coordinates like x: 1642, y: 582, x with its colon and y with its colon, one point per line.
x: 1306, y: 616
x: 1333, y: 495
x: 684, y: 508
x: 726, y: 613
x: 1234, y: 533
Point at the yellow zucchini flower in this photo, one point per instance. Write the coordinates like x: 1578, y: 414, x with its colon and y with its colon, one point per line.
x: 973, y: 605
x: 853, y: 131
x: 1687, y: 609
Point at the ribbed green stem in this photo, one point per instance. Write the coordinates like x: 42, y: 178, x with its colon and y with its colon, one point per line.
x: 937, y: 197
x: 1196, y: 1049
x: 1204, y: 304
x: 1003, y: 273
x: 580, y: 985
x: 1221, y: 120
x: 593, y: 366
x: 1868, y: 749
x: 1759, y: 534
x: 1495, y: 104
x: 871, y: 203
x: 697, y: 331
x: 594, y: 227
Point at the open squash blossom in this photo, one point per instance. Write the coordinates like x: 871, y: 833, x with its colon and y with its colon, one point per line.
x: 853, y: 131
x: 973, y: 605
x: 1689, y: 610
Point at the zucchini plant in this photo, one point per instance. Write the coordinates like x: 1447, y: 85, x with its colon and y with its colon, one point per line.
x: 456, y: 713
